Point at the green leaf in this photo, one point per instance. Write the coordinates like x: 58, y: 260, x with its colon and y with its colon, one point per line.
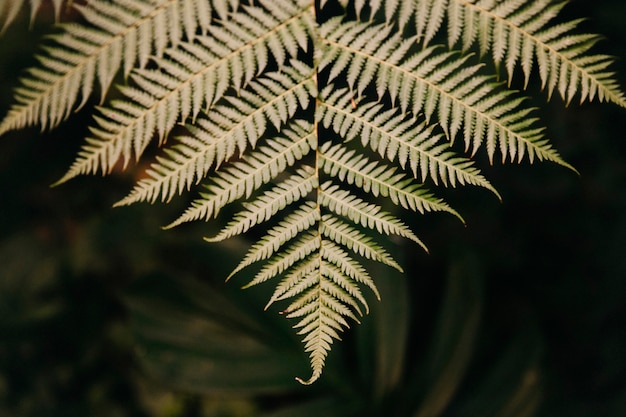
x: 196, y: 339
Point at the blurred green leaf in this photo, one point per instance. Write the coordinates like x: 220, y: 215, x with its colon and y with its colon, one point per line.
x: 327, y: 407
x: 383, y: 335
x: 27, y: 280
x: 453, y: 343
x: 193, y: 338
x: 511, y: 384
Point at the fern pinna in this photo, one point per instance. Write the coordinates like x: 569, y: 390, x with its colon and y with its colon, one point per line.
x: 306, y: 114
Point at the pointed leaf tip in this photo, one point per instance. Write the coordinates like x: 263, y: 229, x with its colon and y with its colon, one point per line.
x: 311, y: 380
x: 59, y: 182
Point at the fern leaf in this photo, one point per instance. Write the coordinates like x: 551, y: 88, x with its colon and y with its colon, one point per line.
x: 325, y: 280
x: 393, y: 136
x: 192, y: 77
x: 271, y: 202
x: 428, y: 18
x: 379, y: 179
x: 349, y: 237
x: 287, y: 111
x: 519, y: 32
x: 442, y: 84
x: 255, y: 169
x: 343, y: 288
x: 233, y: 125
x: 121, y: 32
x: 366, y: 214
x: 302, y: 247
x: 301, y: 219
x: 348, y: 266
x: 303, y: 269
x: 300, y: 285
x: 319, y: 334
x: 563, y: 57
x: 322, y: 316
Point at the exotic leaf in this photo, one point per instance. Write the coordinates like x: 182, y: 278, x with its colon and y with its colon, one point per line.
x: 307, y: 118
x: 437, y: 83
x: 120, y: 34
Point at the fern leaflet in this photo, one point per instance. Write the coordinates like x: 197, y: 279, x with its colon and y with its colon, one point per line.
x: 122, y: 33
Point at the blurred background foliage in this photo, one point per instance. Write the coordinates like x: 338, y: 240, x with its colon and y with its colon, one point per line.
x: 521, y: 313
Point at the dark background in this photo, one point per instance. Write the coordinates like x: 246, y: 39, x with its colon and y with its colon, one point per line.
x: 522, y: 312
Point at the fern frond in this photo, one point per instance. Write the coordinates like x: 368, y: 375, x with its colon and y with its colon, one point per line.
x: 234, y: 125
x: 193, y: 77
x: 303, y: 269
x: 301, y: 219
x: 349, y: 237
x: 343, y: 288
x: 256, y: 168
x: 299, y: 250
x: 348, y: 266
x: 325, y: 280
x: 317, y: 271
x: 322, y: 317
x: 120, y: 33
x: 287, y: 111
x: 269, y: 203
x: 379, y: 179
x: 367, y: 215
x: 300, y: 285
x: 393, y: 9
x: 393, y: 136
x: 441, y: 84
x: 429, y: 16
x: 319, y: 334
x: 520, y: 32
